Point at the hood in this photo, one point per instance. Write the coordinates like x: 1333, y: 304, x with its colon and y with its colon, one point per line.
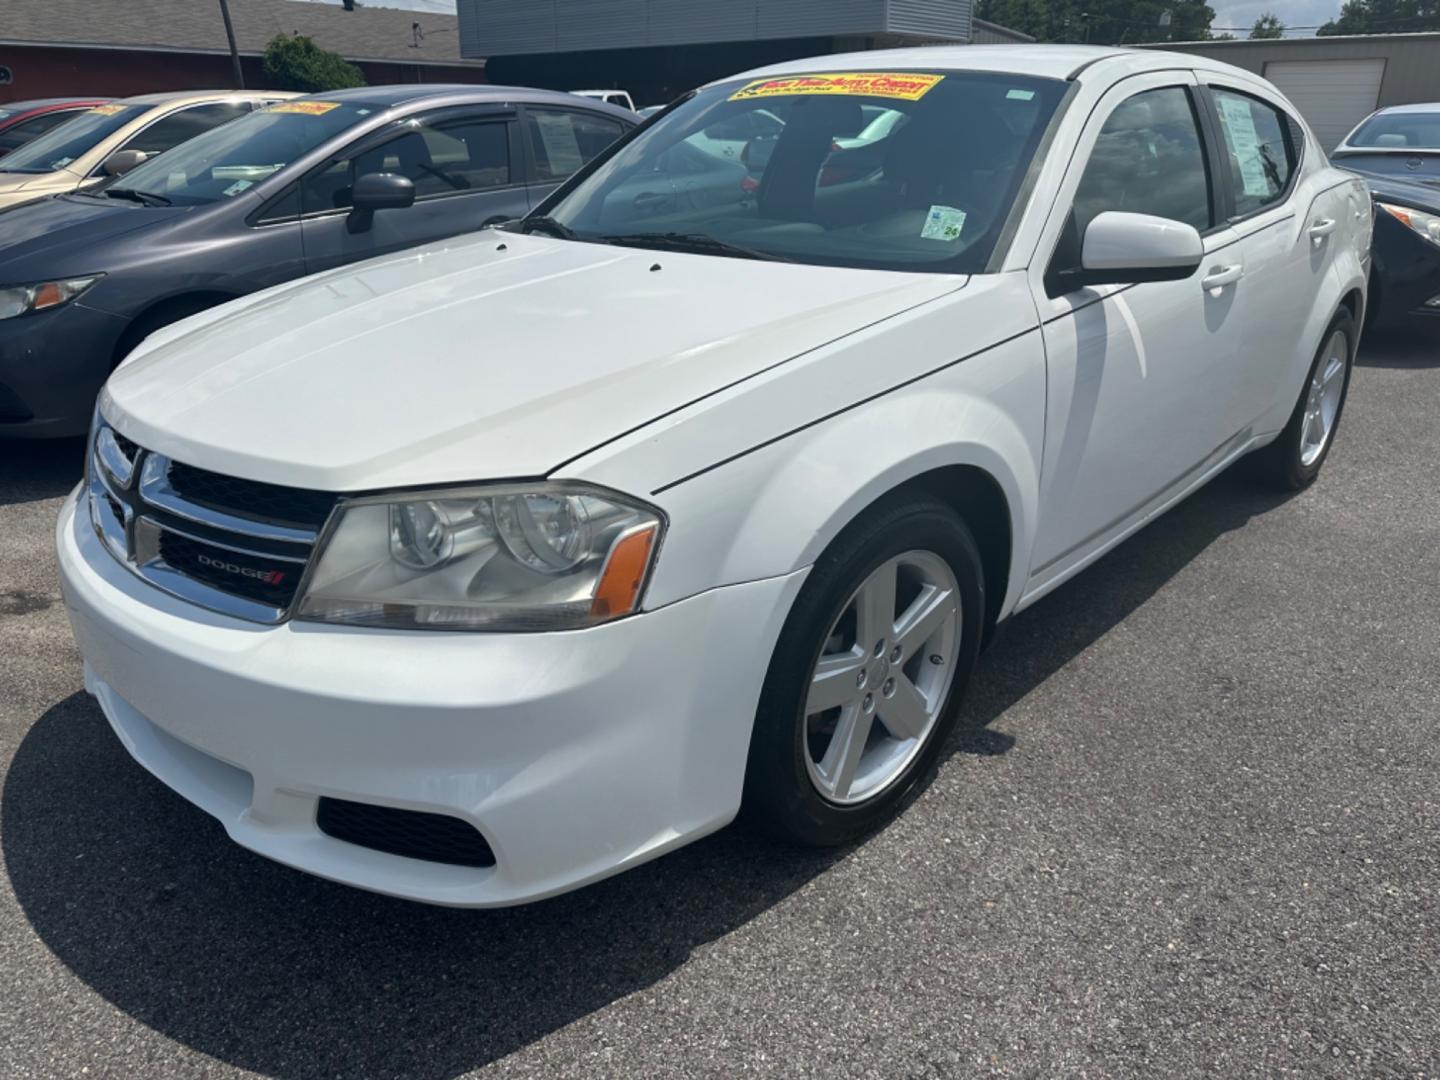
x: 57, y: 236
x: 1410, y: 179
x: 494, y: 356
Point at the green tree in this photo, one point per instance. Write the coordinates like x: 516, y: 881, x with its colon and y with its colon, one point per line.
x: 1384, y: 17
x: 1104, y: 22
x: 1267, y: 26
x: 297, y: 63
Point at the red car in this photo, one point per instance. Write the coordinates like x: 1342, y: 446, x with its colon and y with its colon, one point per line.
x: 21, y: 121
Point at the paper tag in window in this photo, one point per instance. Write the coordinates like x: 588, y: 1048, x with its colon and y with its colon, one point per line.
x: 107, y: 110
x: 1246, y: 145
x: 901, y: 85
x: 306, y: 108
x: 236, y: 188
x: 562, y: 148
x: 943, y: 223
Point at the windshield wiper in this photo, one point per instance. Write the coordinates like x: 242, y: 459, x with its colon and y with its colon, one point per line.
x: 698, y: 243
x: 547, y: 225
x: 144, y: 198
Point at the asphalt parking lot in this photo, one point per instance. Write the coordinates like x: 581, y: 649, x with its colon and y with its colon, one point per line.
x: 1192, y: 827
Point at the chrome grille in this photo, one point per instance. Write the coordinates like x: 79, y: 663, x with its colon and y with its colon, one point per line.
x: 235, y: 546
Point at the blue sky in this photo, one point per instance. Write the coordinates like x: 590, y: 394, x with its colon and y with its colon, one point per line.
x: 1291, y: 12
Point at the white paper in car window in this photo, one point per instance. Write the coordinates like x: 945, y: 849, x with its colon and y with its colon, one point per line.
x: 943, y: 223
x: 561, y: 146
x: 1245, y: 142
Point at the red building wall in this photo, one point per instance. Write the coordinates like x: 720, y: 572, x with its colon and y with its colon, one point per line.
x: 65, y: 72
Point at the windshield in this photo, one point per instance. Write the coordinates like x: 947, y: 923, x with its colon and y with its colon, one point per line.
x: 228, y: 160
x: 1399, y: 131
x: 62, y: 145
x: 911, y: 171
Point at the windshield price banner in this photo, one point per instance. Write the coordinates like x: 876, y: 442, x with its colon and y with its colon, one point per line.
x: 887, y: 84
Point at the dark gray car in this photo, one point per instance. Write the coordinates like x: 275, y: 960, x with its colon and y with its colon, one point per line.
x: 294, y: 189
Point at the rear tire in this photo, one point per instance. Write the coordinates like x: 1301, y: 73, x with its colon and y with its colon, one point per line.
x: 1293, y: 460
x: 907, y: 575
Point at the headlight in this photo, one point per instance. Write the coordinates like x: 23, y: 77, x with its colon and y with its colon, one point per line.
x: 1427, y: 225
x: 508, y: 557
x: 23, y: 299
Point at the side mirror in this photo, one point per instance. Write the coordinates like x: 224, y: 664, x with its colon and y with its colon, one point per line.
x: 378, y: 191
x: 122, y: 161
x: 1121, y: 248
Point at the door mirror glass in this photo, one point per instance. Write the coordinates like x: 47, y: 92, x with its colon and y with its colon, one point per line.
x: 122, y: 161
x: 1121, y: 248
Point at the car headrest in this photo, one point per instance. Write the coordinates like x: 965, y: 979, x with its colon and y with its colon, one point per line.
x: 1391, y: 139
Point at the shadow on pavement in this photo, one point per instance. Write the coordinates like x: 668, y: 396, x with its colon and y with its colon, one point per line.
x: 32, y: 469
x: 146, y: 901
x: 1416, y: 348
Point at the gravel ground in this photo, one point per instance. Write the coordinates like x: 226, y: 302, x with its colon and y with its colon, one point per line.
x: 1192, y: 829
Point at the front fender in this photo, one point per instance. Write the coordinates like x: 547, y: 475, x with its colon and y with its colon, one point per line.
x: 774, y: 509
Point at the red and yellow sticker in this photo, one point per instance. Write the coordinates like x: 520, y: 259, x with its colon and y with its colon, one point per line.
x: 305, y: 108
x: 905, y: 86
x: 107, y: 110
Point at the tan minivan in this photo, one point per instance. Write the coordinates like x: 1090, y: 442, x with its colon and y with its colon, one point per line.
x: 115, y: 137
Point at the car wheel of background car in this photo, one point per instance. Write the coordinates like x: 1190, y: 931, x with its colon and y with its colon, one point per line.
x: 1293, y: 460
x: 866, y: 679
x: 160, y: 316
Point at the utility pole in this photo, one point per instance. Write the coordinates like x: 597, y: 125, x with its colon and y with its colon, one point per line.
x: 234, y: 52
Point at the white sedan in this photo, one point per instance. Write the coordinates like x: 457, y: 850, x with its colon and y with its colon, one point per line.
x: 481, y: 571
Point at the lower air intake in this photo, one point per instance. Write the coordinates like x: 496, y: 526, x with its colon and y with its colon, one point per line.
x: 433, y: 837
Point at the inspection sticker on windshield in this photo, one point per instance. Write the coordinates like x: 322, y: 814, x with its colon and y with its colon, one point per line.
x: 906, y: 86
x: 107, y: 110
x: 306, y: 108
x: 943, y: 223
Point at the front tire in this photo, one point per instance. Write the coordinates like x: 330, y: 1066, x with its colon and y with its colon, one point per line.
x: 1293, y: 460
x: 866, y: 679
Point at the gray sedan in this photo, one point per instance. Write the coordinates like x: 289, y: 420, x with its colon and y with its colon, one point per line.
x: 297, y: 188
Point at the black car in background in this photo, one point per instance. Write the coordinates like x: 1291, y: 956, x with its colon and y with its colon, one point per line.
x: 1397, y: 151
x: 296, y: 188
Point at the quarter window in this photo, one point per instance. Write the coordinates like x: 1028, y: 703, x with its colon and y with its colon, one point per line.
x: 1148, y: 159
x: 562, y: 142
x: 1261, y: 153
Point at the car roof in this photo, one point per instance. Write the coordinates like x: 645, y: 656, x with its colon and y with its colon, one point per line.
x: 1416, y: 107
x: 1044, y: 61
x: 185, y: 97
x: 386, y: 97
x: 48, y: 103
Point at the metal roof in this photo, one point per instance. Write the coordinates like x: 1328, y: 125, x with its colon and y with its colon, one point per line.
x: 367, y: 33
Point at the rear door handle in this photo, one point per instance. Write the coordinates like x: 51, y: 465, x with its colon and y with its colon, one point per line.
x: 1321, y: 228
x: 1221, y: 276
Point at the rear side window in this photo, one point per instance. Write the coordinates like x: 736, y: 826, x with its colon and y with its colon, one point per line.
x: 186, y: 124
x: 1260, y: 148
x: 562, y: 141
x: 1148, y: 159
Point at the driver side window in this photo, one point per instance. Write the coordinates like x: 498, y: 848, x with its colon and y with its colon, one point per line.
x: 1149, y: 159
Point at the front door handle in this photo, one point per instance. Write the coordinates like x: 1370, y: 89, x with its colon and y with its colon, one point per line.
x: 1321, y: 228
x: 1221, y: 276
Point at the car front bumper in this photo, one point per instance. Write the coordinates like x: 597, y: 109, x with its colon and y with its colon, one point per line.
x: 1407, y: 269
x: 576, y: 755
x: 52, y: 366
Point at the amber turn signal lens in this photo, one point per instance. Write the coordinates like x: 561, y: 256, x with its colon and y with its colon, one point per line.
x: 47, y: 295
x: 624, y: 573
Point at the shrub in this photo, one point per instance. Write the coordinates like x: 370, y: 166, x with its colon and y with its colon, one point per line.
x: 297, y: 63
